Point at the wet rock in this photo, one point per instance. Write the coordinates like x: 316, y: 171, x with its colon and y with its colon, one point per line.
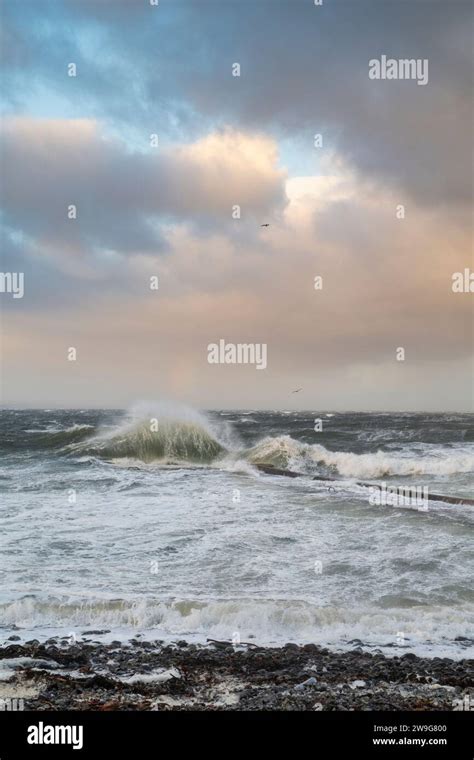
x: 223, y: 678
x: 309, y: 682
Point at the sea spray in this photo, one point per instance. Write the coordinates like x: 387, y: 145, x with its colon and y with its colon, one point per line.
x: 158, y: 431
x: 285, y: 451
x: 206, y: 551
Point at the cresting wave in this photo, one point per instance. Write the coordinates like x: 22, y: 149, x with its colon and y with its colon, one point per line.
x: 284, y: 451
x: 176, y: 435
x: 263, y: 621
x: 172, y: 441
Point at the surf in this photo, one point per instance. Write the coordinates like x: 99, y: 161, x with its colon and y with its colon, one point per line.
x: 287, y: 452
x: 159, y: 433
x: 173, y: 441
x: 168, y: 433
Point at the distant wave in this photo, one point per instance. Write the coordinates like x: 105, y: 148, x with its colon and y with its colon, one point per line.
x: 53, y: 430
x: 55, y: 437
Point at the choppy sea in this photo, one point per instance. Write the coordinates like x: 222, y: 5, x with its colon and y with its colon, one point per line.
x: 155, y: 521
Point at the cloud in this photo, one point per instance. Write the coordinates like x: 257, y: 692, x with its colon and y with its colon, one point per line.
x: 386, y: 284
x: 123, y: 197
x: 304, y: 70
x: 226, y: 141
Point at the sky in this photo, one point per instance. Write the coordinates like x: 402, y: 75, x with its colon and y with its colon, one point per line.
x: 137, y: 170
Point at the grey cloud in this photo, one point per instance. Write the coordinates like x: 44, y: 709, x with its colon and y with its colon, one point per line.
x: 121, y: 198
x: 304, y: 69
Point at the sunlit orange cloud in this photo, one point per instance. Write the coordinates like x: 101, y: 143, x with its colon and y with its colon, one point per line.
x: 386, y: 284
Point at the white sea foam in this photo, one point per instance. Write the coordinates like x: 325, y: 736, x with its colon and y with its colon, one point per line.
x: 154, y: 546
x: 286, y: 451
x: 8, y: 665
x: 261, y: 621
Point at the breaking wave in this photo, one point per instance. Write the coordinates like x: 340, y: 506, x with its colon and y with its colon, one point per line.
x: 172, y: 434
x: 172, y: 441
x: 284, y: 451
x: 160, y: 432
x: 263, y: 621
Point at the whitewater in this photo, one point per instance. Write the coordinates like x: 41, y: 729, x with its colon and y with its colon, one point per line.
x: 156, y: 522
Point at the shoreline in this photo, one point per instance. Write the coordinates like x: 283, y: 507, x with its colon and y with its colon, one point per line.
x: 147, y: 675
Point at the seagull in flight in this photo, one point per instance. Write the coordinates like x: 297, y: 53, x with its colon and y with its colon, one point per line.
x: 297, y: 390
x: 264, y: 225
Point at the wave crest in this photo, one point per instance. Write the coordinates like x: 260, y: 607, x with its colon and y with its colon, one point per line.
x: 284, y: 451
x: 56, y: 437
x: 171, y: 441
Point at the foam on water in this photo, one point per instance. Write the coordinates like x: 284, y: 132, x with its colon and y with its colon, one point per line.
x: 175, y: 534
x: 261, y: 621
x: 284, y: 451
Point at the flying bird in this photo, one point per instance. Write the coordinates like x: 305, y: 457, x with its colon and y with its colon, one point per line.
x: 264, y: 225
x: 297, y: 390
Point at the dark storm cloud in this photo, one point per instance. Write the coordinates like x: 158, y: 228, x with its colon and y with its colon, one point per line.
x: 304, y: 70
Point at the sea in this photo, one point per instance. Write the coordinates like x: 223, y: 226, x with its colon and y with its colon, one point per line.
x: 155, y: 522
